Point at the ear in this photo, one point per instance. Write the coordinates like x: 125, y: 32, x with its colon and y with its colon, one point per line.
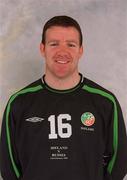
x: 42, y: 49
x: 81, y: 50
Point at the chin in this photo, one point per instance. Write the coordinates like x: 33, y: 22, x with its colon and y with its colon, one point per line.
x: 62, y: 75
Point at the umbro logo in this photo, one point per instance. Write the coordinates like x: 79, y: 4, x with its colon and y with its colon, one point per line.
x: 35, y: 119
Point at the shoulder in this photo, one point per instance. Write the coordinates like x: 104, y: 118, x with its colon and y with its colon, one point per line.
x: 98, y: 91
x: 32, y: 85
x: 28, y: 91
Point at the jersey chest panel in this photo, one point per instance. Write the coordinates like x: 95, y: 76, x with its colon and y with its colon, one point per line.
x: 61, y: 130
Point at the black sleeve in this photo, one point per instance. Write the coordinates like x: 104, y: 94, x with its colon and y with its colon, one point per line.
x: 116, y: 146
x: 9, y: 164
x: 120, y: 166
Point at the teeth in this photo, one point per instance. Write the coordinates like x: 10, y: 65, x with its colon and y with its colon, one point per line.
x: 62, y: 62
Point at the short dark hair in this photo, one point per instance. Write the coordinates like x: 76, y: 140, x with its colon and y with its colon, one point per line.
x: 63, y: 21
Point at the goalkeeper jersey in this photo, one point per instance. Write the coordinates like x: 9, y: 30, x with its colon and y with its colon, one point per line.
x: 73, y: 134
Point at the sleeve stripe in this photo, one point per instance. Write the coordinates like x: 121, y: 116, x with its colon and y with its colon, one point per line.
x: 115, y: 123
x: 28, y: 90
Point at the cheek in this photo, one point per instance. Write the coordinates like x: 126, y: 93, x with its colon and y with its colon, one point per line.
x: 76, y: 56
x: 79, y: 56
x: 48, y: 54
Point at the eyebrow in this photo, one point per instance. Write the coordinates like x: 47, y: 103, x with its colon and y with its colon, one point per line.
x: 72, y: 41
x: 54, y: 40
x: 68, y: 41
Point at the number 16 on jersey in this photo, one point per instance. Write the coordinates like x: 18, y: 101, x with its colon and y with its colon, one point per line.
x: 64, y: 129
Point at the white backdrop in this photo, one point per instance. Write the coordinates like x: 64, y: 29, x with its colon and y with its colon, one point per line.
x: 104, y: 26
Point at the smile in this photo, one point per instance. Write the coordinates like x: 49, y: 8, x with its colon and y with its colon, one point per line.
x: 62, y: 62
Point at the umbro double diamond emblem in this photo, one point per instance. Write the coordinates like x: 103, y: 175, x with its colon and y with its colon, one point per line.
x: 35, y: 119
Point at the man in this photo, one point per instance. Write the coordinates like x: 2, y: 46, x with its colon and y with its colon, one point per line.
x: 63, y: 126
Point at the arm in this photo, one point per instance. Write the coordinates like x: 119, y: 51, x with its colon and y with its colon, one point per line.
x: 9, y: 163
x: 116, y: 146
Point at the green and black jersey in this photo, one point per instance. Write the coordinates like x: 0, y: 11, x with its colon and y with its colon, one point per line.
x: 75, y: 134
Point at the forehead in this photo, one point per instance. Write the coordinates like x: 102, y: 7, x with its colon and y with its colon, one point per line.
x: 59, y: 32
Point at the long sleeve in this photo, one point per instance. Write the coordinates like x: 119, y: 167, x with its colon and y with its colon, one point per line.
x: 120, y: 166
x: 116, y: 146
x: 8, y: 155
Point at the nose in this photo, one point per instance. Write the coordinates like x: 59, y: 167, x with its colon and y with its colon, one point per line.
x: 63, y: 52
x: 63, y: 49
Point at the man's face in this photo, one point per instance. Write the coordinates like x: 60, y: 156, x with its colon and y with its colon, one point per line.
x: 61, y: 51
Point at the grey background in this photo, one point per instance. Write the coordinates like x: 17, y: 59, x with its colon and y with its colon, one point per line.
x: 104, y: 26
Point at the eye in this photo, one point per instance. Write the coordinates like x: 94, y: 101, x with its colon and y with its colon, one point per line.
x: 71, y: 45
x: 53, y: 44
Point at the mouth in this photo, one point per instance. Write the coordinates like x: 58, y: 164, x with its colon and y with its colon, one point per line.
x: 62, y: 61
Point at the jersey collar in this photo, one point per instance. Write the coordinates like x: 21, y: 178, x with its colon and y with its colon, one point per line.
x: 79, y: 85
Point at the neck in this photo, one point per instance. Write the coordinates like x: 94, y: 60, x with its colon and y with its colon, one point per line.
x: 62, y: 83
